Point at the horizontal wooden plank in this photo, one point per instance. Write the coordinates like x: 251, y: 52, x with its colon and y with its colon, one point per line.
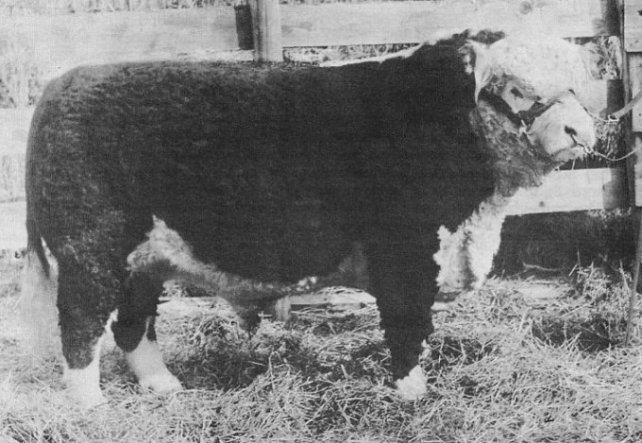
x: 14, y: 128
x: 562, y: 191
x: 576, y: 190
x: 62, y: 42
x: 416, y: 21
x: 633, y: 25
x: 14, y: 123
x: 332, y: 297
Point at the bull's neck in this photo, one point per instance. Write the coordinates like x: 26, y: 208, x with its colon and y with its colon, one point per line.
x: 516, y: 163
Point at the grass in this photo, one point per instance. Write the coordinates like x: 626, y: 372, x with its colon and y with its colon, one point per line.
x: 522, y: 361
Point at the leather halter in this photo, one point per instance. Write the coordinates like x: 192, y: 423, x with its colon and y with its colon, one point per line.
x: 521, y: 118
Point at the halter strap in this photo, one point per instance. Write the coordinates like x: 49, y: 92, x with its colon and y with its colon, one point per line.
x: 521, y: 118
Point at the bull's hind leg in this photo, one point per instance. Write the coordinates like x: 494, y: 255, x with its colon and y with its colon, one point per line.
x: 135, y: 334
x: 84, y: 302
x: 91, y: 277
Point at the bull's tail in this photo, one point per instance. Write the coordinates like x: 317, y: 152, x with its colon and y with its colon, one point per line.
x: 35, y: 245
x: 37, y: 304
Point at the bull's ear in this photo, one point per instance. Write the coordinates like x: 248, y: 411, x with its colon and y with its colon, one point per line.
x: 477, y: 61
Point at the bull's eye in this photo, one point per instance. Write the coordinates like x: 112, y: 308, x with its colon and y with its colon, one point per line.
x: 517, y: 93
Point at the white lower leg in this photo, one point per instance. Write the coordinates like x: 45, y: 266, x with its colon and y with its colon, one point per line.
x: 147, y: 364
x: 412, y: 386
x: 83, y: 385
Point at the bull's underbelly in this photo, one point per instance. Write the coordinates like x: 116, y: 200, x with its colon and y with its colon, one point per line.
x: 286, y: 243
x: 166, y: 255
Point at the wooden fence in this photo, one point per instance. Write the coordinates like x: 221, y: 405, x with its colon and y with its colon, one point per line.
x: 66, y: 41
x: 632, y: 32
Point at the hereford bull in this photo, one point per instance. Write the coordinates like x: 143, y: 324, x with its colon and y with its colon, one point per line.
x: 141, y: 172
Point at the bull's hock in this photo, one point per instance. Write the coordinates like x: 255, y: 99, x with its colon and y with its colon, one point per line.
x: 14, y: 130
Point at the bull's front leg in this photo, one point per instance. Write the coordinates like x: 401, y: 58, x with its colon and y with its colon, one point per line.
x: 403, y: 281
x: 135, y: 334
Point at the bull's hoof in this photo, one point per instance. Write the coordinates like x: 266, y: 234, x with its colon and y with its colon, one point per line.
x: 161, y: 383
x: 86, y: 399
x: 83, y: 386
x: 412, y: 386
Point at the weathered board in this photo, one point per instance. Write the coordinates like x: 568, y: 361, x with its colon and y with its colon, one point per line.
x: 563, y: 191
x: 62, y: 42
x: 576, y: 190
x: 14, y: 128
x: 416, y: 21
x: 633, y: 26
x: 634, y: 77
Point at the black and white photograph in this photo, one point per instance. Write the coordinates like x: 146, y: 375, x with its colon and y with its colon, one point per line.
x: 359, y: 221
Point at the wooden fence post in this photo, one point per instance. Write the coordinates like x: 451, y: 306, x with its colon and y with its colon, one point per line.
x: 631, y: 24
x: 266, y: 30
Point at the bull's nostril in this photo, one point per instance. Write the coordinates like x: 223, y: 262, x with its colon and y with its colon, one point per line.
x: 570, y: 131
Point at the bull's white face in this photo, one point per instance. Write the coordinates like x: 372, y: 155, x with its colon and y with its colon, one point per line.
x: 529, y: 71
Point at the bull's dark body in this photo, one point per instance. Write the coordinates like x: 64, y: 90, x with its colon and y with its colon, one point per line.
x: 269, y: 172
